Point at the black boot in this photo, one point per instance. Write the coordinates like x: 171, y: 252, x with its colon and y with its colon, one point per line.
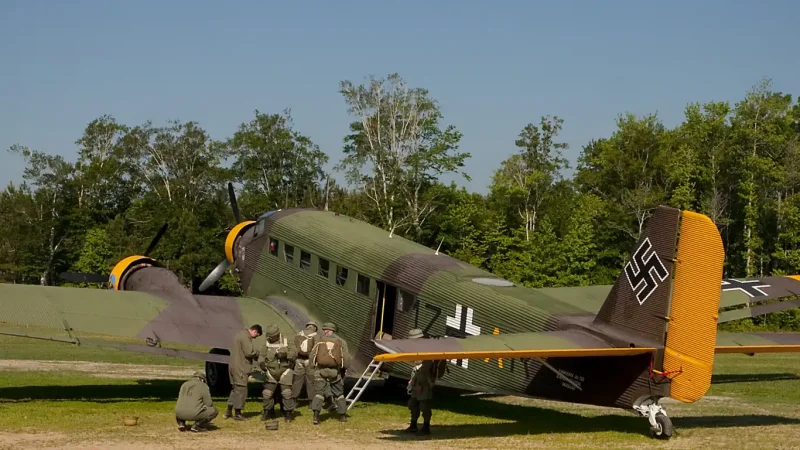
x: 287, y: 416
x: 425, y: 430
x: 412, y: 427
x: 266, y: 414
x: 198, y: 427
x: 343, y: 417
x: 181, y: 425
x: 316, y: 417
x: 238, y: 416
x: 228, y: 412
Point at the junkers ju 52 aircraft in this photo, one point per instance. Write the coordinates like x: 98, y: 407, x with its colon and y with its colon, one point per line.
x: 651, y: 335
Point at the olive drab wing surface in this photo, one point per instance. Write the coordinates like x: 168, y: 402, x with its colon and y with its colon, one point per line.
x: 652, y: 334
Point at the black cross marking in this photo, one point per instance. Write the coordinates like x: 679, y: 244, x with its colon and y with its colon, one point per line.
x: 465, y: 327
x: 750, y: 287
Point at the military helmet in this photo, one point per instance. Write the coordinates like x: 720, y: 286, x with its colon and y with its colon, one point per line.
x: 200, y: 375
x: 416, y: 333
x: 329, y: 326
x: 271, y: 330
x: 311, y: 322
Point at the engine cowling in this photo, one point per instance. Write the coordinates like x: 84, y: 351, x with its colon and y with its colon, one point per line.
x: 125, y: 267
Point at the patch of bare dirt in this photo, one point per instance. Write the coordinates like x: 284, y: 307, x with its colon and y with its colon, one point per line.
x: 184, y: 441
x: 99, y: 369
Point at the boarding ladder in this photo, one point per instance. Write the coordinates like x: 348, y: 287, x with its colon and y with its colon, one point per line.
x: 362, y: 383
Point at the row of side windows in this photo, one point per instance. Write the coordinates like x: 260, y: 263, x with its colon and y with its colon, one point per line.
x: 323, y: 267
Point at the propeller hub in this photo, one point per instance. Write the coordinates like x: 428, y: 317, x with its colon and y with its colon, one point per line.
x: 123, y: 268
x: 235, y: 232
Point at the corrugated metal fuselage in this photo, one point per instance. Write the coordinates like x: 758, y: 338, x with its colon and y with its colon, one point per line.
x: 432, y: 292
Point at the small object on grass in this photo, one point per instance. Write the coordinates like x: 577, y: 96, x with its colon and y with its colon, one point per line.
x: 271, y: 425
x: 130, y: 421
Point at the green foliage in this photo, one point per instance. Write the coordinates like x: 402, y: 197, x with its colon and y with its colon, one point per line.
x: 737, y: 162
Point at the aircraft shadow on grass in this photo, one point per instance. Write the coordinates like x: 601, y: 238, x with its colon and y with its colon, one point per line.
x: 520, y: 419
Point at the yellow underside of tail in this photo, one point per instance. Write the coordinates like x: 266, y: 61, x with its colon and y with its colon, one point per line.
x: 692, y: 326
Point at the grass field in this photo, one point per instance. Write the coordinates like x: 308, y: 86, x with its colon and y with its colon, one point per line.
x: 79, y: 404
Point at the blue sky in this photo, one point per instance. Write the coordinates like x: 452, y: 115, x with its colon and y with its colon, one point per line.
x: 493, y: 66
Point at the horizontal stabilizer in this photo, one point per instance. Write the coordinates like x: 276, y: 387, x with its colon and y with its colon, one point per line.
x: 757, y: 342
x: 549, y: 344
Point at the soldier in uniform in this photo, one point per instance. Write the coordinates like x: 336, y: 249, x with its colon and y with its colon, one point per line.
x: 194, y: 403
x: 305, y: 341
x: 276, y: 359
x: 329, y: 359
x: 239, y: 367
x: 420, y: 388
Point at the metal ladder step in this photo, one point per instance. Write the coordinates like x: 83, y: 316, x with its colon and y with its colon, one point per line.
x: 362, y: 383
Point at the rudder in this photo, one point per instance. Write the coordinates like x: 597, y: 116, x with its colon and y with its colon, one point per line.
x: 692, y: 326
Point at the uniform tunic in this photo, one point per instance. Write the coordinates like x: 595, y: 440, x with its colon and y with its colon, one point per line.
x: 239, y: 367
x: 194, y: 401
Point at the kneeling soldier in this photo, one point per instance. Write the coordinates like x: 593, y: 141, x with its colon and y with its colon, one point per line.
x: 276, y: 359
x: 194, y: 403
x: 329, y: 360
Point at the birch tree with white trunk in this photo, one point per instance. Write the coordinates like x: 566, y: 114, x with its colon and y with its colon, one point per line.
x: 397, y: 149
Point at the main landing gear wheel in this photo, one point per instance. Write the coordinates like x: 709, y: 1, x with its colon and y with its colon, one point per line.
x: 660, y: 423
x: 217, y: 378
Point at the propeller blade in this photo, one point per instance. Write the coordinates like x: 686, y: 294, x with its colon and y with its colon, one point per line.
x: 214, y: 275
x: 234, y: 205
x: 73, y: 277
x: 155, y: 240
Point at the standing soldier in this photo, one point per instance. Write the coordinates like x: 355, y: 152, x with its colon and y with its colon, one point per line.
x: 329, y: 359
x: 420, y: 388
x: 239, y: 367
x: 305, y: 341
x: 194, y: 403
x: 276, y: 360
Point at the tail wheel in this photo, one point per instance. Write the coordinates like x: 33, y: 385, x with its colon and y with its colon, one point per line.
x: 663, y: 429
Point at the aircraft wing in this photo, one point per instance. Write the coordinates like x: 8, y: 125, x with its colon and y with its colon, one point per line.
x: 516, y: 345
x: 568, y: 343
x: 757, y: 342
x: 177, y: 324
x: 756, y: 296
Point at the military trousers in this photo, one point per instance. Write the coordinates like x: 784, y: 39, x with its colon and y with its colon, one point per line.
x: 238, y: 395
x: 302, y: 374
x: 205, y: 416
x: 328, y: 383
x: 284, y: 380
x: 416, y: 406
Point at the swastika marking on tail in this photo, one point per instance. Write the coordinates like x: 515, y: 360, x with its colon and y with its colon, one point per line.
x: 645, y: 271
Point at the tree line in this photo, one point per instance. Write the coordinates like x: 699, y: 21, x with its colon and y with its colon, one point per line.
x: 738, y: 163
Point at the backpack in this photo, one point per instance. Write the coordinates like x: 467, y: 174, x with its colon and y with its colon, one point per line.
x: 329, y: 353
x: 439, y: 369
x: 303, y: 343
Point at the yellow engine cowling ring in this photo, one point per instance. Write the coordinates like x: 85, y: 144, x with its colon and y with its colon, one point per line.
x: 234, y: 234
x: 125, y: 267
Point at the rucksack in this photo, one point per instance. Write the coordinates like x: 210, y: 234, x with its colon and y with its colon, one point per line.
x: 439, y: 369
x: 303, y: 343
x: 329, y: 353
